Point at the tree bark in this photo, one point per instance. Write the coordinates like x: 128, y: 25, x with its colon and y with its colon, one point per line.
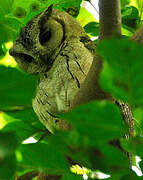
x: 138, y: 36
x: 110, y: 24
x: 110, y: 18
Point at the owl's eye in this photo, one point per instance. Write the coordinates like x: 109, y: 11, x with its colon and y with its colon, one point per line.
x: 44, y: 37
x: 26, y: 57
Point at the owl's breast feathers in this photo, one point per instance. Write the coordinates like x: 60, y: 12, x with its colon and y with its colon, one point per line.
x: 61, y: 83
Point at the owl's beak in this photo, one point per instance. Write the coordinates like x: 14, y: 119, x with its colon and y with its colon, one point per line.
x: 11, y: 52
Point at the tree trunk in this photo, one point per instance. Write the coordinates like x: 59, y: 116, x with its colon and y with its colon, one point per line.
x: 110, y: 24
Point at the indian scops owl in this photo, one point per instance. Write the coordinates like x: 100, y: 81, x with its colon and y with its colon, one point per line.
x: 54, y: 45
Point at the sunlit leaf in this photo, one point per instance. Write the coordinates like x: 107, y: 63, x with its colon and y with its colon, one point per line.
x: 124, y: 2
x: 85, y: 17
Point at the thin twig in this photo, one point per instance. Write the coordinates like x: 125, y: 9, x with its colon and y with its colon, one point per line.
x: 141, y: 13
x: 94, y: 7
x: 28, y: 176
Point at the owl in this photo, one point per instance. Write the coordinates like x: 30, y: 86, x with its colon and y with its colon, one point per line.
x: 54, y: 46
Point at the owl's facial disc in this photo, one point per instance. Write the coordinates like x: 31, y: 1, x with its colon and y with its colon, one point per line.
x: 36, y: 46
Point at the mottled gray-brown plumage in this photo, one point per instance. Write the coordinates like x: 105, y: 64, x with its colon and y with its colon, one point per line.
x: 54, y: 45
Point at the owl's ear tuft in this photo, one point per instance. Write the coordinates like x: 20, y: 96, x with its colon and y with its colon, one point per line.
x: 44, y: 18
x: 49, y: 10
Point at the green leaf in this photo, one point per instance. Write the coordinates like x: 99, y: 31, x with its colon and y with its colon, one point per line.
x: 130, y: 16
x: 8, y: 145
x: 43, y: 156
x: 21, y: 129
x: 17, y: 88
x: 9, y: 29
x: 15, y: 14
x: 124, y: 3
x: 141, y: 165
x: 139, y: 4
x: 131, y: 176
x: 7, y: 167
x: 26, y: 10
x: 134, y: 145
x: 122, y: 73
x: 70, y: 176
x: 28, y: 116
x: 5, y: 7
x: 96, y: 121
x: 113, y: 161
x: 2, y: 51
x: 24, y: 123
x: 92, y: 28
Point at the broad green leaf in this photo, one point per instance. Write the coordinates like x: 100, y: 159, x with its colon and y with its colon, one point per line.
x: 126, y: 31
x: 2, y: 51
x: 122, y: 73
x: 28, y: 116
x: 141, y: 165
x: 139, y: 4
x: 130, y: 17
x: 124, y: 3
x: 17, y: 88
x: 43, y: 156
x: 85, y: 17
x: 67, y: 4
x: 9, y: 29
x: 134, y: 145
x: 70, y: 176
x: 14, y: 14
x: 25, y: 10
x: 24, y: 123
x: 131, y: 176
x: 92, y: 28
x: 96, y: 121
x: 5, y: 7
x: 105, y: 157
x: 7, y: 167
x: 138, y: 120
x: 8, y: 145
x: 113, y: 161
x: 21, y: 129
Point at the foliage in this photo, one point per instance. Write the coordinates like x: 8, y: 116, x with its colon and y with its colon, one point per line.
x: 95, y: 125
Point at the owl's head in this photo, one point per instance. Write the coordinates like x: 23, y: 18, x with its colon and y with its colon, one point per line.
x: 40, y: 40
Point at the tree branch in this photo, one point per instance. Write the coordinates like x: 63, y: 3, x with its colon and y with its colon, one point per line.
x: 138, y: 36
x: 28, y: 176
x: 110, y: 18
x: 110, y: 23
x: 43, y: 176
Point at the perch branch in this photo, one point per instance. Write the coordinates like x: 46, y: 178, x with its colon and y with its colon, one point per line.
x: 110, y: 23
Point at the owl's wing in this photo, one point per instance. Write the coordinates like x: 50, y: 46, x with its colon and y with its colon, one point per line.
x: 61, y: 83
